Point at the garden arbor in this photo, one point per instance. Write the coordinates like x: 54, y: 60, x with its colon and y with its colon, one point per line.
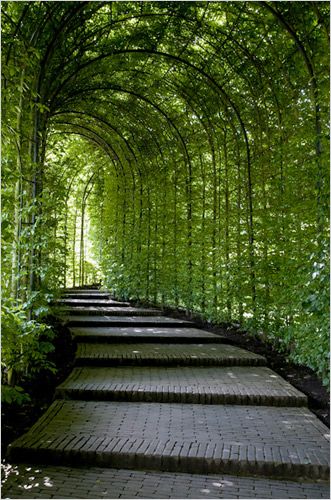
x: 182, y: 145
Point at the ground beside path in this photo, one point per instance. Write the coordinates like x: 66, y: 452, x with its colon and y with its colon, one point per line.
x: 165, y: 410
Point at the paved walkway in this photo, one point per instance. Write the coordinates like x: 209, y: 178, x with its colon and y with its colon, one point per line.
x: 30, y: 481
x: 160, y: 409
x: 154, y: 334
x: 185, y: 384
x: 165, y: 354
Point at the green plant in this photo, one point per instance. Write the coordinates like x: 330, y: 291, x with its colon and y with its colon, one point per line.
x: 14, y: 395
x: 25, y: 344
x: 178, y: 151
x: 38, y: 303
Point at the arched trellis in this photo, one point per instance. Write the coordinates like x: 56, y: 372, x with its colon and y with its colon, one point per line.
x: 232, y: 105
x: 251, y: 236
x: 193, y: 105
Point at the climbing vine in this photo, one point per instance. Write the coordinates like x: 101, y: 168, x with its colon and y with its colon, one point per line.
x: 177, y: 151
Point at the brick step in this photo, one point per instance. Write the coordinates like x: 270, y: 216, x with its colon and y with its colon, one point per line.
x: 104, y: 302
x: 164, y: 354
x: 108, y: 311
x: 259, y: 440
x: 200, y: 385
x: 137, y: 321
x: 49, y: 481
x: 154, y: 334
x: 83, y: 289
x: 86, y: 294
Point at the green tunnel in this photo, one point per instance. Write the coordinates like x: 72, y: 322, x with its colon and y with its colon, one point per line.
x: 176, y: 152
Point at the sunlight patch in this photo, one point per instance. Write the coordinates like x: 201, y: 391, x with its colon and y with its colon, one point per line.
x: 48, y: 482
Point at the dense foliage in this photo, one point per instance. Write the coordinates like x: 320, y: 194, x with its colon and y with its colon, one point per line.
x: 176, y: 150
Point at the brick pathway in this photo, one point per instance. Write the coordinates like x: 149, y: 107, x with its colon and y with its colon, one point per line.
x: 26, y: 481
x: 179, y: 437
x: 166, y: 354
x: 181, y: 385
x: 194, y: 424
x: 103, y: 310
x: 85, y: 294
x: 91, y: 320
x: 143, y: 334
x: 92, y: 302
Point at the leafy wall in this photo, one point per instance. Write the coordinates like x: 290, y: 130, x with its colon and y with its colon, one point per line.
x: 186, y: 142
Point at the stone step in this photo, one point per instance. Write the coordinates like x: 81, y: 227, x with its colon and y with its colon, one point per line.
x: 133, y: 334
x: 108, y: 311
x: 259, y: 440
x: 137, y: 321
x: 199, y: 385
x: 103, y: 302
x: 164, y: 354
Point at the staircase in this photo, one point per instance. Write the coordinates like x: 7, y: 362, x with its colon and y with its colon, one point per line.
x: 152, y: 393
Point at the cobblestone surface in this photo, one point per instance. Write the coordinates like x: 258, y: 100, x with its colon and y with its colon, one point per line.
x: 235, y: 385
x: 144, y: 334
x: 165, y: 354
x: 26, y: 481
x: 180, y: 437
